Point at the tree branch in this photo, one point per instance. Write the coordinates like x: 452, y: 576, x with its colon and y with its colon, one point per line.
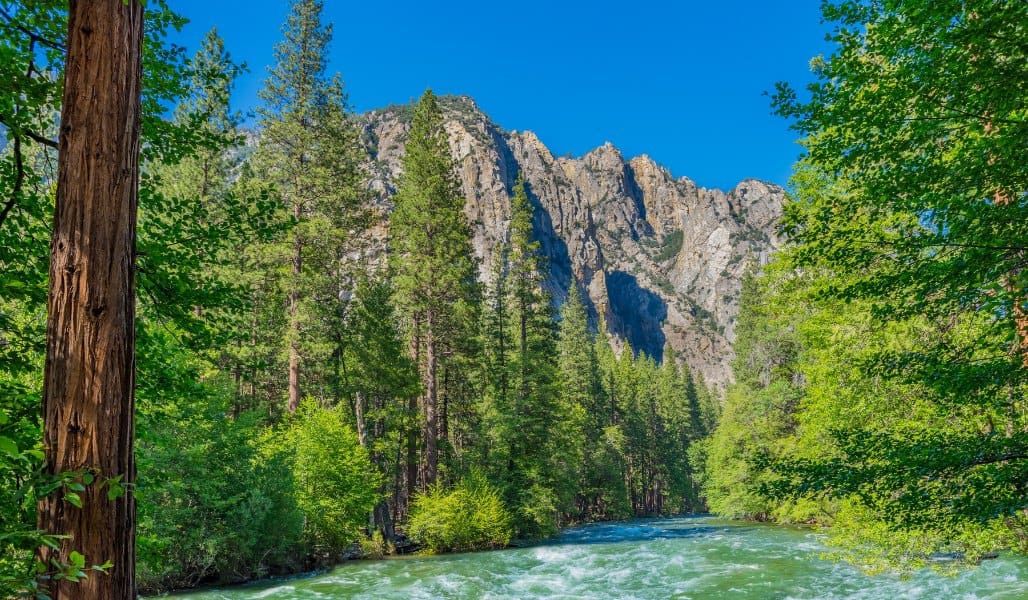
x: 19, y: 177
x: 33, y: 36
x: 29, y: 134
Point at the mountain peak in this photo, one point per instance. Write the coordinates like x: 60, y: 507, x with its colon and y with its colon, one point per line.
x: 659, y: 259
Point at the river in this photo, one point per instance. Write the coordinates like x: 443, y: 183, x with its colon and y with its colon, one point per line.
x: 688, y: 557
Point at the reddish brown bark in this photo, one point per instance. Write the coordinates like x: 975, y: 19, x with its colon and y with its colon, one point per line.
x: 89, y: 375
x: 294, y: 319
x: 412, y: 430
x: 431, y: 403
x: 1021, y: 320
x: 1020, y: 316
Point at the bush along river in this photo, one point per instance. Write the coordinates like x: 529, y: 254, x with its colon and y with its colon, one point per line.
x: 687, y: 557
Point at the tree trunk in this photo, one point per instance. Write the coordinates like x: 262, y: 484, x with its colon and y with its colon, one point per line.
x: 89, y: 377
x: 380, y: 518
x: 294, y: 319
x: 382, y: 521
x: 358, y: 415
x: 431, y: 404
x: 1020, y: 315
x: 412, y: 430
x: 444, y: 411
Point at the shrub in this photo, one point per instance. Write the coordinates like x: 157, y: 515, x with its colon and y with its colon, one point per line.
x: 538, y: 511
x: 471, y: 516
x: 208, y: 508
x: 670, y: 247
x: 335, y: 484
x: 376, y: 546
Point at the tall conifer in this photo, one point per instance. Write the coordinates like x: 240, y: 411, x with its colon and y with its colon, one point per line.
x: 432, y: 260
x: 310, y: 152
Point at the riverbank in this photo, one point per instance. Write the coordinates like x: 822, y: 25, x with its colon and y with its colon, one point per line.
x: 697, y: 557
x: 364, y: 550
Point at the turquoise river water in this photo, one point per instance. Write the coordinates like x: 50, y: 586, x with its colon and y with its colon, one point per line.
x: 688, y: 557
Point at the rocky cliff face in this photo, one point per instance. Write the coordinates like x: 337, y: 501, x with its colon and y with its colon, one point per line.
x: 660, y: 258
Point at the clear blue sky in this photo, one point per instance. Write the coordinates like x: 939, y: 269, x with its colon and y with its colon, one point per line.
x: 681, y: 81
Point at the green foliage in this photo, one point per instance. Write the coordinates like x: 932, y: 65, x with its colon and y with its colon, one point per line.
x: 538, y: 512
x: 197, y: 459
x: 884, y: 391
x: 528, y: 431
x: 430, y: 240
x: 246, y: 259
x: 670, y: 246
x: 813, y: 431
x: 199, y: 467
x: 376, y: 546
x: 470, y: 516
x: 381, y: 379
x: 31, y: 41
x: 307, y: 158
x: 334, y: 483
x: 434, y: 275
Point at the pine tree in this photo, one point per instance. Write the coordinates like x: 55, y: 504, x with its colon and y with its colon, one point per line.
x: 609, y: 492
x: 581, y: 398
x: 531, y: 422
x: 496, y: 356
x: 380, y: 378
x: 199, y: 222
x: 497, y: 347
x: 530, y: 307
x: 310, y: 152
x: 432, y: 261
x: 576, y: 353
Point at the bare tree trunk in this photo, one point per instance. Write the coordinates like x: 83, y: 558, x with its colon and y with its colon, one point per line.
x: 431, y: 404
x: 380, y: 518
x: 89, y: 377
x: 412, y: 431
x: 444, y: 411
x: 358, y: 415
x: 294, y: 320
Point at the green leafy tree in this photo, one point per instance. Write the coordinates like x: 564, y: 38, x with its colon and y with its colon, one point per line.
x: 910, y: 202
x: 198, y: 467
x: 334, y: 483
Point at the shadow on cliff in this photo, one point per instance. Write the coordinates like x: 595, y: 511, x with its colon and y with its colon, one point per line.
x: 637, y: 314
x: 554, y: 249
x: 558, y: 258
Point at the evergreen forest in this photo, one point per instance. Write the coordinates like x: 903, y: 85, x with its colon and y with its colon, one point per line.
x: 287, y: 396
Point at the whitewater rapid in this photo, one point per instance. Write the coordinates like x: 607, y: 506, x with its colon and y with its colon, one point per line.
x: 688, y: 557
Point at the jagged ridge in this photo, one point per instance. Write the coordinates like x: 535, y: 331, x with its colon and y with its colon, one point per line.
x: 661, y: 259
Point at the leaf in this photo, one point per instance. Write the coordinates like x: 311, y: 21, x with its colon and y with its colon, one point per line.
x: 7, y: 446
x: 73, y: 499
x: 76, y: 558
x: 115, y: 490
